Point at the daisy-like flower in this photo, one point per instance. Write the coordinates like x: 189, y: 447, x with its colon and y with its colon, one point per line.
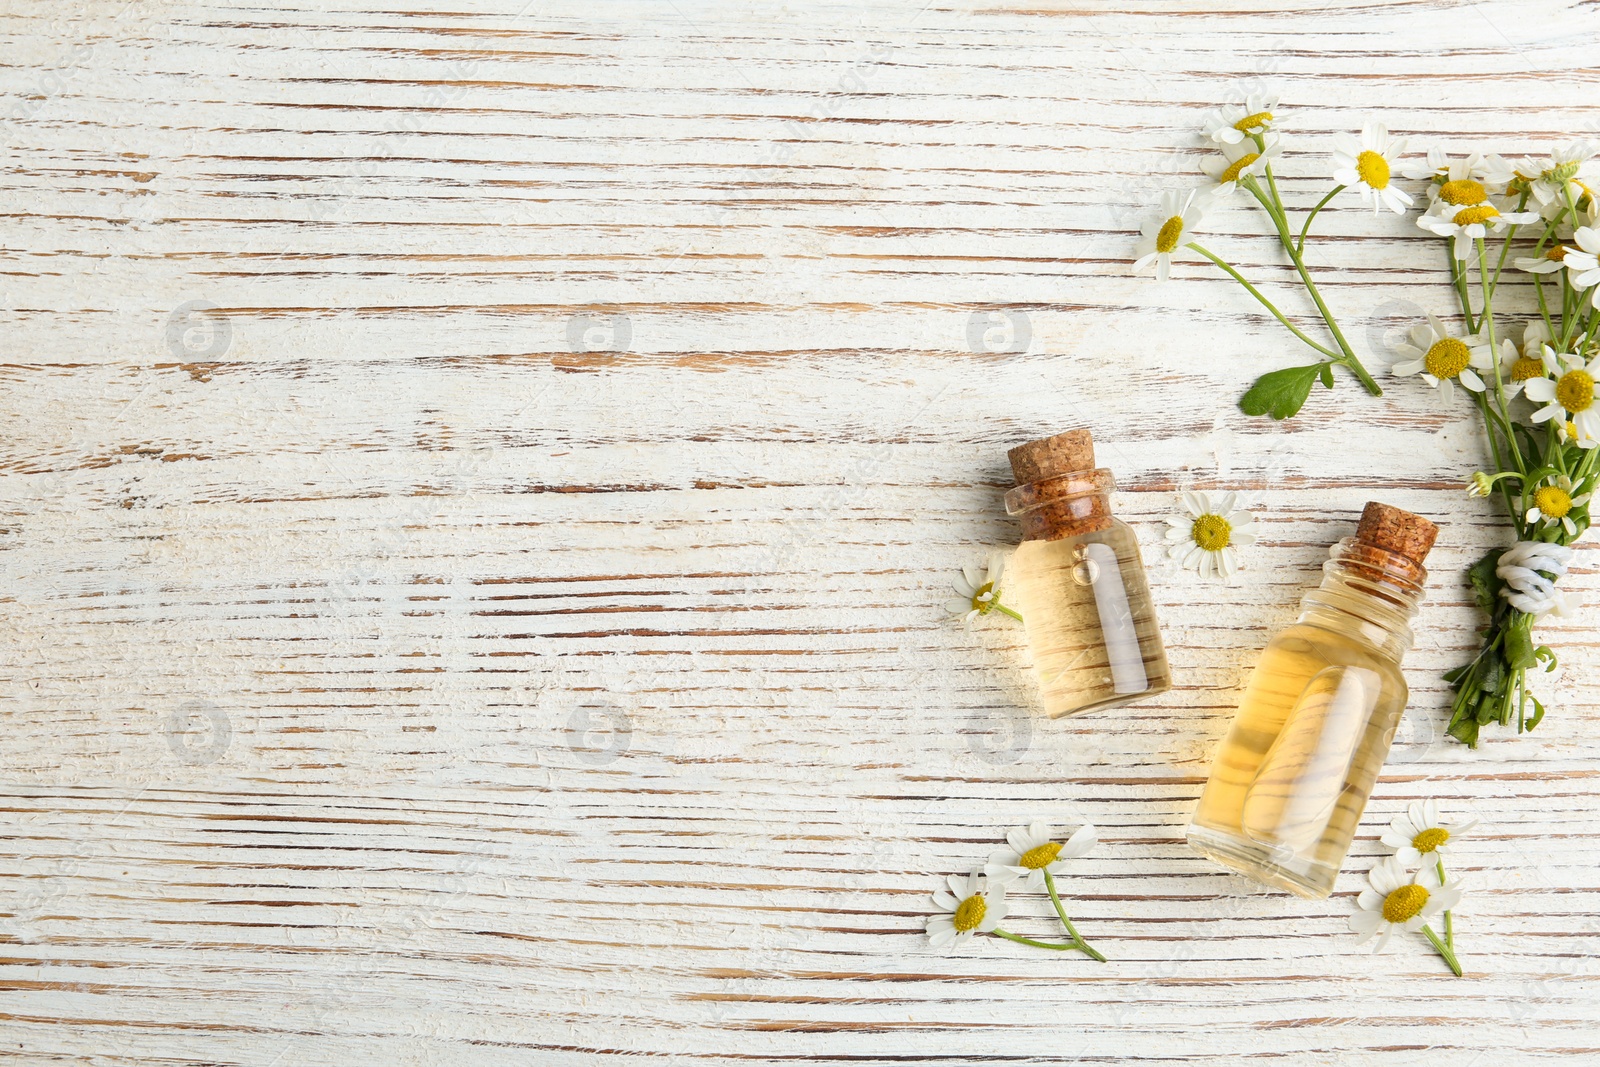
x: 974, y: 904
x: 978, y: 592
x: 1553, y: 180
x: 1206, y: 532
x: 1033, y: 851
x: 1232, y: 123
x: 1442, y: 360
x: 1240, y: 160
x: 1568, y: 394
x: 1471, y: 179
x: 1181, y: 212
x: 1420, y: 836
x: 1548, y: 262
x: 1515, y: 371
x: 1583, y: 262
x: 1468, y: 224
x: 1554, y: 500
x: 1394, y: 899
x: 1367, y: 166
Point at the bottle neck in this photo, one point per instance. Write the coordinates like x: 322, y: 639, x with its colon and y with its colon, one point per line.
x: 1063, y: 505
x: 1368, y: 592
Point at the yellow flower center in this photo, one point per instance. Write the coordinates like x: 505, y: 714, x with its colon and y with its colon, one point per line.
x: 1404, y: 903
x: 1553, y: 502
x: 969, y: 913
x: 1557, y: 254
x: 982, y: 601
x: 1575, y: 391
x: 1171, y: 233
x: 1430, y: 839
x: 1260, y: 120
x: 1238, y: 165
x: 1447, y: 358
x: 1467, y: 216
x: 1211, y: 532
x: 1373, y: 169
x: 1043, y: 856
x: 1571, y: 429
x: 1463, y: 192
x: 1526, y: 368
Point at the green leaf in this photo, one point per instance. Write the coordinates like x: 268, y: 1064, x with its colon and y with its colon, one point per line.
x: 1519, y: 649
x: 1327, y: 375
x: 1281, y: 393
x: 1534, y: 719
x: 1485, y: 582
x: 1465, y: 731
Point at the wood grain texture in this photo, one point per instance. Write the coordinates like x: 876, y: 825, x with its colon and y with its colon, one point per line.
x: 479, y: 488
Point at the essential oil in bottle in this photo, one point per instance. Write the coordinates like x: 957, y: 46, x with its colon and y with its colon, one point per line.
x: 1079, y: 582
x: 1293, y: 775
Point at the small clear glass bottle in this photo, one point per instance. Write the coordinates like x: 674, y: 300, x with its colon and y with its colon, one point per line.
x: 1079, y: 583
x: 1293, y: 775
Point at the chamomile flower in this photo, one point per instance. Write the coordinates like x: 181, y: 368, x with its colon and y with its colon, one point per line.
x: 1181, y: 212
x: 1367, y: 166
x: 1549, y: 261
x: 1394, y: 900
x: 1441, y: 359
x: 974, y: 904
x: 1204, y: 535
x: 1515, y: 371
x: 1554, y: 502
x: 1033, y: 851
x: 1567, y: 393
x: 1240, y: 160
x: 1555, y: 179
x: 1535, y: 336
x: 1232, y: 123
x: 1468, y: 224
x: 978, y: 592
x: 1583, y: 262
x: 1472, y: 179
x: 1420, y: 836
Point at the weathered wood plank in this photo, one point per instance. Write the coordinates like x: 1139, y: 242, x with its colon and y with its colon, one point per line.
x: 478, y: 487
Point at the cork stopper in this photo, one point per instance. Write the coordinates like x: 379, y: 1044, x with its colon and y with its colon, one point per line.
x: 1394, y: 530
x: 1059, y: 491
x: 1050, y: 457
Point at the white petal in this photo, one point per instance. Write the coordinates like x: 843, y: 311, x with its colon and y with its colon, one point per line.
x: 1082, y: 840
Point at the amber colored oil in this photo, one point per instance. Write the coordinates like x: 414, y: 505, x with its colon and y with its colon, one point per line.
x: 1314, y: 726
x: 1090, y: 620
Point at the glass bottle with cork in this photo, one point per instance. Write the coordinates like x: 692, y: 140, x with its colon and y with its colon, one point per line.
x: 1079, y: 582
x: 1318, y: 714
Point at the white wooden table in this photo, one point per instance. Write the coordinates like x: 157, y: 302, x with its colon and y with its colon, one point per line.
x: 480, y: 488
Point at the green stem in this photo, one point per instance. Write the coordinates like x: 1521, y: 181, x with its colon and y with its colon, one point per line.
x: 1458, y: 278
x: 1030, y: 941
x: 1274, y: 208
x: 1444, y: 950
x: 1300, y: 245
x: 1007, y: 610
x: 1253, y: 291
x: 1489, y: 420
x: 1449, y: 932
x: 1050, y: 886
x: 1487, y: 292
